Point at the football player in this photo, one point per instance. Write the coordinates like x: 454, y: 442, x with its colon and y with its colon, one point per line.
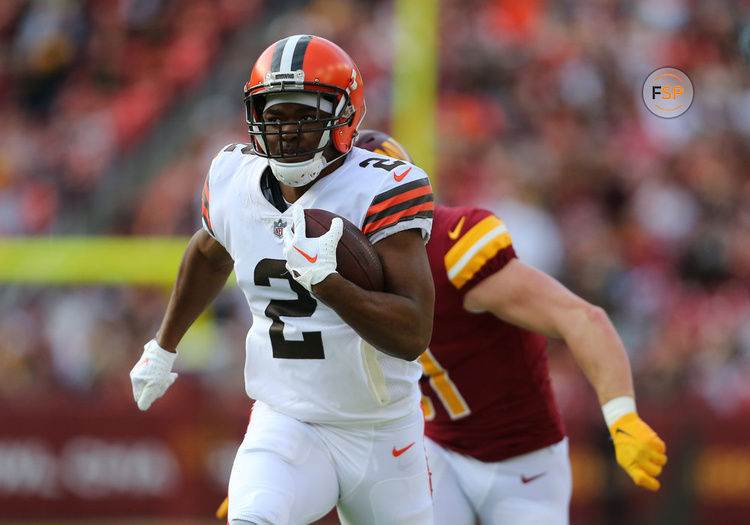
x: 495, y: 443
x: 332, y: 367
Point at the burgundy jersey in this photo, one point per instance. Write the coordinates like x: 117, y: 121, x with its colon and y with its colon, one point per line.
x: 486, y: 387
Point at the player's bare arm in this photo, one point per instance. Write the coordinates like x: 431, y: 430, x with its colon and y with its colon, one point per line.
x: 397, y: 321
x: 527, y: 297
x: 524, y: 296
x: 203, y: 271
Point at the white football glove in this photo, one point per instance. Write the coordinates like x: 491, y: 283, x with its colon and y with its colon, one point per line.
x: 310, y: 260
x: 152, y: 375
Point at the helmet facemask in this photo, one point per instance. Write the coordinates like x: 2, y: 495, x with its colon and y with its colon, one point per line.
x: 329, y: 116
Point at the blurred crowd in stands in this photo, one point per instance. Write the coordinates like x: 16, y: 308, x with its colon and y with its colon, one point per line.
x: 540, y: 120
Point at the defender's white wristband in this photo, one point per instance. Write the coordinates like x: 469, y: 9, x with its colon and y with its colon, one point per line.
x: 615, y: 408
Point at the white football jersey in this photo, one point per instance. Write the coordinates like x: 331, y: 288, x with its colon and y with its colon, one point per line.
x: 302, y: 359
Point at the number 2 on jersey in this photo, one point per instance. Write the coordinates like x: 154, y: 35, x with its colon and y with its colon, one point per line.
x: 311, y: 346
x: 446, y: 389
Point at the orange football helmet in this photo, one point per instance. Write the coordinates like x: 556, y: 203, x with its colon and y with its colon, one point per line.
x: 313, y: 71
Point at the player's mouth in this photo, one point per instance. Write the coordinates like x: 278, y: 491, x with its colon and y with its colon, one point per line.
x: 288, y: 157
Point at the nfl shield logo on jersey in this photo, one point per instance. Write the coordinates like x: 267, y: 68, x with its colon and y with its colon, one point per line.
x: 278, y: 228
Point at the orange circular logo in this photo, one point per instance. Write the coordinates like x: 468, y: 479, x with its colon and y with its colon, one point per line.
x: 668, y: 92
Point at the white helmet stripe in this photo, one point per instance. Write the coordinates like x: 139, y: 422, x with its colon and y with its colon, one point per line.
x: 288, y: 54
x: 277, y: 52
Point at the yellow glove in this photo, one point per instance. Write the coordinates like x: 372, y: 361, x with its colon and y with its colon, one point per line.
x: 221, y: 512
x: 638, y: 450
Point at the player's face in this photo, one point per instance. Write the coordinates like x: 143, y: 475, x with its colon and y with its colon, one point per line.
x: 293, y: 130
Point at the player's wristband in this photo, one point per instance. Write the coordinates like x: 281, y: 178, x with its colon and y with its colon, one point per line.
x: 615, y: 408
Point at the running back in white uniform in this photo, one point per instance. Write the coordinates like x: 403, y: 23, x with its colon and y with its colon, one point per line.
x: 302, y: 359
x: 337, y: 422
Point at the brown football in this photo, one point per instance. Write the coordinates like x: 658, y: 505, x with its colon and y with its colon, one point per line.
x: 356, y: 259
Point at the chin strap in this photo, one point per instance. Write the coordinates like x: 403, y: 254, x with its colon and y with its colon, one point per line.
x: 298, y: 174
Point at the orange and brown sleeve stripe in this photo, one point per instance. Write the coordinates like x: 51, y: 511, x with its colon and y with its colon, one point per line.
x: 204, y: 208
x: 406, y: 202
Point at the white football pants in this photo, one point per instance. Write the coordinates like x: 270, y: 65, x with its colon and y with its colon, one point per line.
x: 287, y: 472
x: 531, y: 489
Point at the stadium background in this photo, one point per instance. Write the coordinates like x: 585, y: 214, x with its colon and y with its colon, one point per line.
x: 111, y: 110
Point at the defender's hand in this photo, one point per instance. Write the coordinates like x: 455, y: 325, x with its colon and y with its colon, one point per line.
x: 310, y: 260
x: 152, y: 375
x: 639, y: 450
